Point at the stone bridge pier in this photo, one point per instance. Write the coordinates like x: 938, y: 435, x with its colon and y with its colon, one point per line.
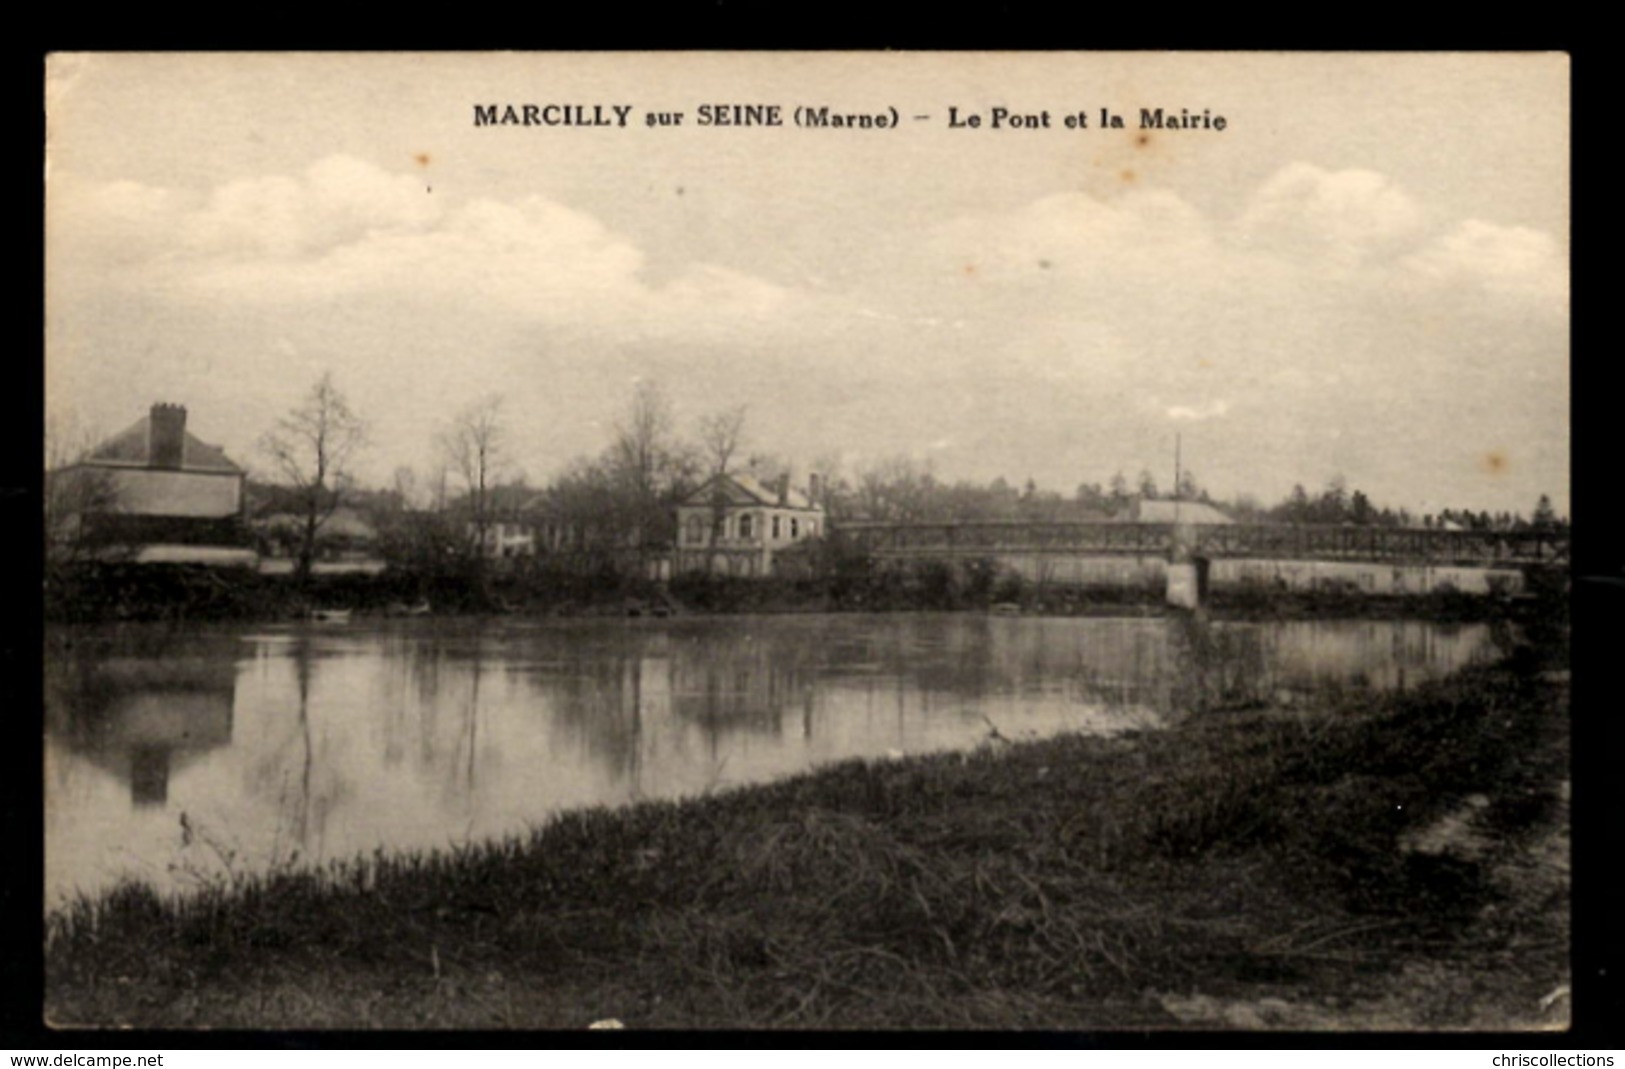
x: 1188, y: 569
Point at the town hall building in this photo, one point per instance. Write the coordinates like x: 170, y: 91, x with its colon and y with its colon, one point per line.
x: 734, y: 524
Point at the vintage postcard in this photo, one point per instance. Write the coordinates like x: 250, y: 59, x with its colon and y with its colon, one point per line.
x: 834, y: 540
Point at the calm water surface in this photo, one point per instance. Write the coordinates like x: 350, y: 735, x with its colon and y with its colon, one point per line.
x: 176, y: 756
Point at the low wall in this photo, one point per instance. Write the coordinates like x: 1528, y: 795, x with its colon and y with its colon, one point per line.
x: 286, y: 566
x: 1363, y: 578
x: 1151, y: 573
x: 1114, y: 572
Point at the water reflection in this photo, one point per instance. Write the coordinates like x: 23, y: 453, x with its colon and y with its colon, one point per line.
x: 178, y: 758
x: 139, y: 718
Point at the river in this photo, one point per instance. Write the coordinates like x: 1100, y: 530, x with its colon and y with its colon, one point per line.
x: 179, y: 756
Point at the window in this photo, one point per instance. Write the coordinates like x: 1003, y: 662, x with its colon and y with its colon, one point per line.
x: 776, y: 527
x: 793, y: 524
x: 745, y: 525
x: 694, y: 530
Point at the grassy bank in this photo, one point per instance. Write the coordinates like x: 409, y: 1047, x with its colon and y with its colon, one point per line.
x: 114, y: 593
x: 111, y: 592
x: 1394, y: 863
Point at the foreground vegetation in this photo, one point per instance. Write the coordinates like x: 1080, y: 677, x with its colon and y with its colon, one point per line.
x: 115, y: 593
x: 1400, y: 862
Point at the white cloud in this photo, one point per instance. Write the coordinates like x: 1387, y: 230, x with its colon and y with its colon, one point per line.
x: 348, y: 230
x: 1505, y: 261
x: 1069, y: 235
x: 1193, y: 413
x: 1310, y: 327
x: 112, y: 223
x: 1341, y: 217
x: 336, y: 202
x: 709, y: 290
x: 1070, y: 328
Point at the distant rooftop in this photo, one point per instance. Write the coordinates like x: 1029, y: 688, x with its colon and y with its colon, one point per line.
x: 132, y: 447
x: 750, y: 490
x: 1178, y: 511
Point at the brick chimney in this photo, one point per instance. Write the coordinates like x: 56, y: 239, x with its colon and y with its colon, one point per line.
x: 784, y: 489
x: 166, y: 445
x: 812, y: 488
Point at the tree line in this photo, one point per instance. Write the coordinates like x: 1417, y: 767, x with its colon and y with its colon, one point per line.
x: 619, y: 501
x: 622, y: 500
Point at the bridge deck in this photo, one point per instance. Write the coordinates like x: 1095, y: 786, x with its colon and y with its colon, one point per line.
x: 1264, y: 541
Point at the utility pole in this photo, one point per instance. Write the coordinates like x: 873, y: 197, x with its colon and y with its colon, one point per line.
x: 1177, y: 444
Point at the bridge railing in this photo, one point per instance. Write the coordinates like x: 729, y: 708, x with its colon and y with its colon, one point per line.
x: 999, y: 536
x: 1324, y: 542
x: 1271, y: 541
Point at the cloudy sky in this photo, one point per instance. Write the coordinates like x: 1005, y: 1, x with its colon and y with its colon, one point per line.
x: 1364, y: 274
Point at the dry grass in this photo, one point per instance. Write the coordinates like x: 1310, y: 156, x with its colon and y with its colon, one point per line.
x: 1071, y: 883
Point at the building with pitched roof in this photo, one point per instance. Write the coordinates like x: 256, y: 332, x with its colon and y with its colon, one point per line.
x: 168, y: 495
x: 734, y: 524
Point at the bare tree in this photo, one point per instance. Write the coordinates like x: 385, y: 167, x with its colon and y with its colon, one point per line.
x: 643, y: 442
x: 404, y: 485
x: 720, y: 437
x: 475, y: 446
x: 831, y: 492
x: 1119, y: 492
x: 896, y: 488
x: 74, y: 493
x: 767, y: 467
x: 644, y: 458
x: 415, y: 531
x: 312, y: 448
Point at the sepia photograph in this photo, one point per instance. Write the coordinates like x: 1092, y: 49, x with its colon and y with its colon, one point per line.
x: 1052, y: 541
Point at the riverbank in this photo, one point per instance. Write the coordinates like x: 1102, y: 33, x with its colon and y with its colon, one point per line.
x: 1396, y: 863
x: 114, y: 593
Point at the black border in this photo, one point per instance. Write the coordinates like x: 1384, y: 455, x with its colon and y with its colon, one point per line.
x: 1599, y: 557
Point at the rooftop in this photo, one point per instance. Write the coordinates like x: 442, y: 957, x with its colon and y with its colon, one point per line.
x: 1178, y: 512
x: 132, y: 447
x: 746, y: 489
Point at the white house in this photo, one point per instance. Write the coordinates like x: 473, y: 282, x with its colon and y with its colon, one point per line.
x: 506, y: 538
x: 733, y: 524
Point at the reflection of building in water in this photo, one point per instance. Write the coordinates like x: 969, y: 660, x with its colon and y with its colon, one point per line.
x: 721, y: 683
x: 149, y: 776
x: 1126, y: 663
x: 602, y: 698
x: 1375, y: 654
x: 142, y: 718
x: 1183, y: 663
